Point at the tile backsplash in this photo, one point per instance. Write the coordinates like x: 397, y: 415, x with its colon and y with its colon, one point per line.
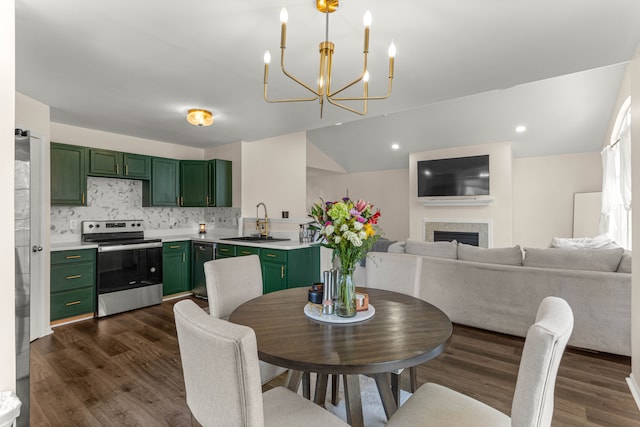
x: 112, y: 198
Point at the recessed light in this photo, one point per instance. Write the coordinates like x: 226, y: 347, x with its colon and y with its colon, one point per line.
x: 395, y: 146
x: 521, y: 129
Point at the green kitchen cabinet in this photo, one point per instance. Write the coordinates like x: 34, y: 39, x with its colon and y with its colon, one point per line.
x: 193, y: 183
x: 176, y: 267
x: 68, y: 175
x: 119, y: 165
x: 284, y: 269
x: 73, y: 283
x: 164, y: 187
x: 219, y: 186
x: 225, y: 251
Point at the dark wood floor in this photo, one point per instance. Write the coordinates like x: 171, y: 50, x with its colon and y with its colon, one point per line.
x: 125, y: 370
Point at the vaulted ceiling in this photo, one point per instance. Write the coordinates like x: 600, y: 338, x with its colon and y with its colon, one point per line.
x: 466, y: 72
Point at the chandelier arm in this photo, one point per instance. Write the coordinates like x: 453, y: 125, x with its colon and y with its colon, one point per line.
x: 295, y: 79
x: 345, y: 107
x: 365, y: 98
x: 266, y: 96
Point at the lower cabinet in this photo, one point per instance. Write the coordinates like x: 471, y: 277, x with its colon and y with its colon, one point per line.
x: 73, y: 283
x: 284, y: 269
x: 176, y: 271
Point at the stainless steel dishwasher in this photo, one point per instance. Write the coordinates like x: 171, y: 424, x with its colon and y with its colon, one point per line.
x: 201, y: 253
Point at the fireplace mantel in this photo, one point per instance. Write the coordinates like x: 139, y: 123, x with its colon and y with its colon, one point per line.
x: 456, y: 201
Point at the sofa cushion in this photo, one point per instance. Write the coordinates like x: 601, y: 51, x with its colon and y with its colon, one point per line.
x: 574, y: 259
x: 506, y: 256
x: 625, y: 263
x: 447, y: 250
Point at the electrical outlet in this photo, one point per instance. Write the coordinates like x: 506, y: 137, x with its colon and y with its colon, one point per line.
x: 73, y: 224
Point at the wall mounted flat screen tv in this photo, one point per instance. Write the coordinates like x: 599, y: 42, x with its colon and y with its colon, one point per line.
x: 460, y: 176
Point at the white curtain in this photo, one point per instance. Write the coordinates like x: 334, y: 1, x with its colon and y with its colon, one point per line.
x: 615, y: 216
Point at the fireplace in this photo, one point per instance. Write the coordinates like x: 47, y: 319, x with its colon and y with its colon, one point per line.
x: 467, y: 231
x: 468, y: 238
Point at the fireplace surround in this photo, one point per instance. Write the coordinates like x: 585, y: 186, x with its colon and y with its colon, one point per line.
x: 450, y: 227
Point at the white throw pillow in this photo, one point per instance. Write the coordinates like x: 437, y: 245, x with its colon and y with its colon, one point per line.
x: 599, y: 242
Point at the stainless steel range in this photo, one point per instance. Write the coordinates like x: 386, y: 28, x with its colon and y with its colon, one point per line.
x: 129, y: 267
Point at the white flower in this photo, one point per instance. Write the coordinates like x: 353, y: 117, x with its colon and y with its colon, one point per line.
x: 357, y: 226
x: 362, y: 235
x: 344, y: 227
x: 337, y: 239
x: 329, y: 230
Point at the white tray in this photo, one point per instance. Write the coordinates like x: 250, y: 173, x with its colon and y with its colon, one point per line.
x: 314, y: 311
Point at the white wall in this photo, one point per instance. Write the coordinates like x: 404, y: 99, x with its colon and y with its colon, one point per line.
x: 635, y: 185
x: 387, y: 190
x: 499, y: 212
x: 543, y: 189
x: 274, y: 172
x: 7, y: 125
x: 67, y: 134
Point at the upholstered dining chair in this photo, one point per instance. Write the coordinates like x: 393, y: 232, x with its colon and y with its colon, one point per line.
x: 230, y: 283
x: 222, y: 377
x: 399, y: 273
x: 437, y: 406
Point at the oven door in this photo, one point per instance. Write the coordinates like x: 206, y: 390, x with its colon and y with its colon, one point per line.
x: 125, y: 267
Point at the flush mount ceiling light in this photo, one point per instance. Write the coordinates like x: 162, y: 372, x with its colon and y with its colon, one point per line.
x: 323, y: 90
x: 200, y: 117
x: 521, y: 128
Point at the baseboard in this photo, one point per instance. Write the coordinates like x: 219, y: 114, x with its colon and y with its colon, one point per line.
x: 635, y: 389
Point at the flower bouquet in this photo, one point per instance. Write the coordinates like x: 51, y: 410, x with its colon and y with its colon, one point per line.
x: 350, y: 229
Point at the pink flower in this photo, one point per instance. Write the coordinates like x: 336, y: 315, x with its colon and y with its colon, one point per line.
x: 360, y: 205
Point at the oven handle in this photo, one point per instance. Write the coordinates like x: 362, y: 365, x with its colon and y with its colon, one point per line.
x: 129, y: 247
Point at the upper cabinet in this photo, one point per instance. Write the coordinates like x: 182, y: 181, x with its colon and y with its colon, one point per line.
x: 68, y: 175
x: 164, y: 187
x: 220, y: 191
x: 205, y: 183
x: 119, y: 165
x: 193, y: 183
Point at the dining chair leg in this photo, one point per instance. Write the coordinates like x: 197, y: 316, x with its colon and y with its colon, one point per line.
x: 320, y: 395
x: 335, y: 385
x: 413, y: 376
x: 306, y: 385
x: 395, y: 387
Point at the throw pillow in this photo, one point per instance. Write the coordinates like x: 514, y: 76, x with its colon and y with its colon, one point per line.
x: 505, y: 256
x: 397, y: 247
x: 599, y: 242
x: 574, y: 259
x: 433, y: 249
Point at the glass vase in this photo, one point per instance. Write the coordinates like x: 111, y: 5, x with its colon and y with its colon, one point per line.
x: 345, y: 305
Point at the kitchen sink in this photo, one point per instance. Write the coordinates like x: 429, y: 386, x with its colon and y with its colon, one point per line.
x: 255, y: 239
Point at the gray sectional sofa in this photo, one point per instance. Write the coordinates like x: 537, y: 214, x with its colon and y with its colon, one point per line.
x: 499, y: 289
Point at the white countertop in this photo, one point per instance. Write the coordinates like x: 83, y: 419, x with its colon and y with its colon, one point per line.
x: 171, y: 236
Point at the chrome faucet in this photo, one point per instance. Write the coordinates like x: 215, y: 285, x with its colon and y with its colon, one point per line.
x: 262, y: 225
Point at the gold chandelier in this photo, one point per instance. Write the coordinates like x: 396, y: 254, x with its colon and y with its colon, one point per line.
x: 326, y: 54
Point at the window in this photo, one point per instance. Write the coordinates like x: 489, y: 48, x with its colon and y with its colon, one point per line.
x: 615, y: 218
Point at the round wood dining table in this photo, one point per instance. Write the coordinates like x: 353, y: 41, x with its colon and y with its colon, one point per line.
x: 404, y: 332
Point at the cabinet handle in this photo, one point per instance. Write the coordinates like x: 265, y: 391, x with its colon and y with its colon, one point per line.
x: 126, y: 170
x: 282, y: 271
x: 183, y: 260
x: 245, y: 253
x: 271, y: 255
x: 77, y: 276
x: 174, y: 247
x: 73, y: 256
x: 223, y: 250
x: 181, y: 201
x: 117, y: 169
x: 73, y: 303
x: 207, y: 200
x: 82, y: 198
